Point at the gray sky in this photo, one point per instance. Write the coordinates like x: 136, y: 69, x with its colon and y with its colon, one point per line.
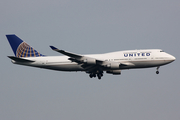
x: 84, y: 27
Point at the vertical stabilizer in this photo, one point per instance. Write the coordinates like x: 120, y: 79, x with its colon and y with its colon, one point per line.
x: 21, y: 48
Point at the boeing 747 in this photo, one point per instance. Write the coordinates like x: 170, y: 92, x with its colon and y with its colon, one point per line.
x: 93, y: 64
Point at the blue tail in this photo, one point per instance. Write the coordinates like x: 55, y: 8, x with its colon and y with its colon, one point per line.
x: 20, y: 48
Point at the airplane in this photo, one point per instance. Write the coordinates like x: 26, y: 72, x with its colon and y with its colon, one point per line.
x: 93, y: 64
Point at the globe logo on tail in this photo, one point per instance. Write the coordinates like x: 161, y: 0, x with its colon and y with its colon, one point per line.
x: 24, y: 50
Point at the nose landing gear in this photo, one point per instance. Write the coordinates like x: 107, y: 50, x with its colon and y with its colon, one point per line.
x: 157, y: 72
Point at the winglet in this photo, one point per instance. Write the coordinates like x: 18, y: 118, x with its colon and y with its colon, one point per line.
x: 56, y: 49
x: 53, y: 48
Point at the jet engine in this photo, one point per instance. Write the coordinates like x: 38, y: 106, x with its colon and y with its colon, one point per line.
x: 113, y: 65
x: 90, y: 61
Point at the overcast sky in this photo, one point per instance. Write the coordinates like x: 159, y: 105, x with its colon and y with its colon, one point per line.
x: 83, y: 27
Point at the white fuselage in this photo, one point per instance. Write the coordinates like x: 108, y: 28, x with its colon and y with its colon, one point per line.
x: 131, y: 59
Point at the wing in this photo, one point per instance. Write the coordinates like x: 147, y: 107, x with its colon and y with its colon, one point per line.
x: 76, y: 57
x: 89, y: 62
x: 66, y: 53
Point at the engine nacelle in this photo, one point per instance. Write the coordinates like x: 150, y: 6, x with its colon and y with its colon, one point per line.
x: 114, y: 72
x: 113, y: 65
x: 90, y: 61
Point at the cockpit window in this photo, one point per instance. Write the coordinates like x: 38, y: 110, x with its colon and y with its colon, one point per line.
x: 161, y: 51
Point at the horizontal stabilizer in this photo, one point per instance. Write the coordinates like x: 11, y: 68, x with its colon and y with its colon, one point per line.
x: 17, y: 59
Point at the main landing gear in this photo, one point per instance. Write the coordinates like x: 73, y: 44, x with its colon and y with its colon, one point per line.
x: 157, y: 72
x: 99, y: 74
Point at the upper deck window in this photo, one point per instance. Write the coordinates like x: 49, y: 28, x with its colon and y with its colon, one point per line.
x: 161, y: 51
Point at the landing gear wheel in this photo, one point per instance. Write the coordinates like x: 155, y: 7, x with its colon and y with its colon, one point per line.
x: 157, y: 72
x: 99, y: 76
x: 90, y: 75
x: 94, y: 75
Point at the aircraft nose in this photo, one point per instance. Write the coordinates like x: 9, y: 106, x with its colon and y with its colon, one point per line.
x: 172, y: 58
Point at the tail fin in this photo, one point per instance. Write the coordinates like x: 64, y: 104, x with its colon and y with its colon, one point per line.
x: 21, y: 48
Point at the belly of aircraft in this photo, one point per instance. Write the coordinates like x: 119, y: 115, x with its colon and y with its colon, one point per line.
x: 66, y: 67
x: 149, y: 63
